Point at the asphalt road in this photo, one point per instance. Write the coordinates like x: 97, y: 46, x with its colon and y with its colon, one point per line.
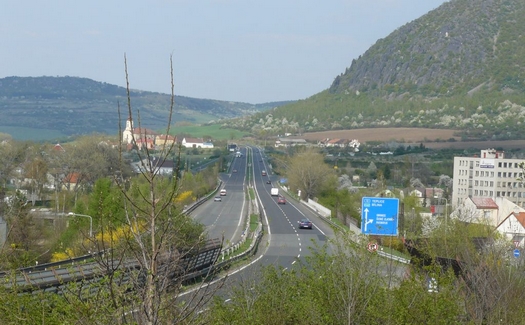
x: 227, y: 217
x: 286, y: 243
x: 283, y: 244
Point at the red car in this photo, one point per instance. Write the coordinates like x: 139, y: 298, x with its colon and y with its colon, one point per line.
x: 281, y: 200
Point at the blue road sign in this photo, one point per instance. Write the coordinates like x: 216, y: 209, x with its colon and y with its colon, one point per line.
x: 516, y: 253
x: 379, y: 216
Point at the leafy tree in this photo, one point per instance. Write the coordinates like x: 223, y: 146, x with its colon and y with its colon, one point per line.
x: 12, y: 154
x: 35, y: 171
x: 306, y: 171
x: 387, y: 173
x: 372, y: 169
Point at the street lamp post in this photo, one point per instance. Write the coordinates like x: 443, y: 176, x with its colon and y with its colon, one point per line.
x: 86, y: 216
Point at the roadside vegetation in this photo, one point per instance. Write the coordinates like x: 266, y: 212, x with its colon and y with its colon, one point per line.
x: 349, y: 285
x: 136, y: 219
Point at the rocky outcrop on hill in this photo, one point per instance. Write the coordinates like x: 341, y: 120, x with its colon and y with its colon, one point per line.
x: 452, y: 49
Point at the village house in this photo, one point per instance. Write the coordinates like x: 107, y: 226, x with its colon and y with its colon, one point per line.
x: 196, y: 143
x: 491, y: 211
x: 288, y: 142
x: 513, y: 227
x: 165, y: 140
x: 155, y: 164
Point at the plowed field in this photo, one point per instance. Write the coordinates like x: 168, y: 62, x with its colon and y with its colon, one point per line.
x: 428, y: 137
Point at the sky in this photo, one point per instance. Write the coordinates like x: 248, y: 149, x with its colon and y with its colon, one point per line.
x: 234, y: 50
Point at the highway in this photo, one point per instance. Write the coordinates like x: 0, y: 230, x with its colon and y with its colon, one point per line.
x: 227, y: 218
x: 283, y: 243
x: 286, y: 242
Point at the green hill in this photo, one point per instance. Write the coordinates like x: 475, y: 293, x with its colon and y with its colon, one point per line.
x: 40, y: 107
x: 460, y: 66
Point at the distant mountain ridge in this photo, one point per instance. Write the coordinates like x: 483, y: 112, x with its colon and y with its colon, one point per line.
x: 461, y: 66
x: 76, y: 105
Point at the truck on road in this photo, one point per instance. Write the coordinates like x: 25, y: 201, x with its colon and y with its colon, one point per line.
x: 274, y: 191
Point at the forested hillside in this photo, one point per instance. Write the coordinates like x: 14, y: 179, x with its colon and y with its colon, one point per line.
x: 72, y: 106
x: 460, y: 66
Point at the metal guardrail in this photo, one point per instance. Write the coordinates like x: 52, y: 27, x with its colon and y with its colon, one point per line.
x: 59, y: 275
x: 59, y: 264
x: 393, y: 257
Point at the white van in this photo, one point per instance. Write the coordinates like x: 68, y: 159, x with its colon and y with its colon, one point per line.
x: 223, y: 192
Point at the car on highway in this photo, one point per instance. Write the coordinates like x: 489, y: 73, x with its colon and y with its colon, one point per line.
x: 268, y: 182
x: 223, y: 192
x: 305, y: 223
x: 217, y: 199
x: 263, y: 173
x: 235, y: 170
x: 281, y: 200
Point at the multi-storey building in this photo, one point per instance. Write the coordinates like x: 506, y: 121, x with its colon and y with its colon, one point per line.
x: 490, y: 175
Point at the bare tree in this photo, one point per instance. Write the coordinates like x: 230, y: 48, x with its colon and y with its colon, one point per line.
x: 158, y: 238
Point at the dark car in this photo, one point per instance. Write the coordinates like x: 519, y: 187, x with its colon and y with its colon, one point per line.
x: 268, y: 182
x: 281, y: 200
x: 305, y: 223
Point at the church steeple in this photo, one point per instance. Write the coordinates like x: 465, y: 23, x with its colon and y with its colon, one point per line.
x: 127, y: 134
x: 129, y: 124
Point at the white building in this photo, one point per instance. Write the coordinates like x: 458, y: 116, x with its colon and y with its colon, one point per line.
x: 490, y: 175
x: 196, y: 143
x: 513, y: 227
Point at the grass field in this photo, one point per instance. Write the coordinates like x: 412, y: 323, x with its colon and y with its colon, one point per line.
x: 31, y: 134
x: 214, y: 131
